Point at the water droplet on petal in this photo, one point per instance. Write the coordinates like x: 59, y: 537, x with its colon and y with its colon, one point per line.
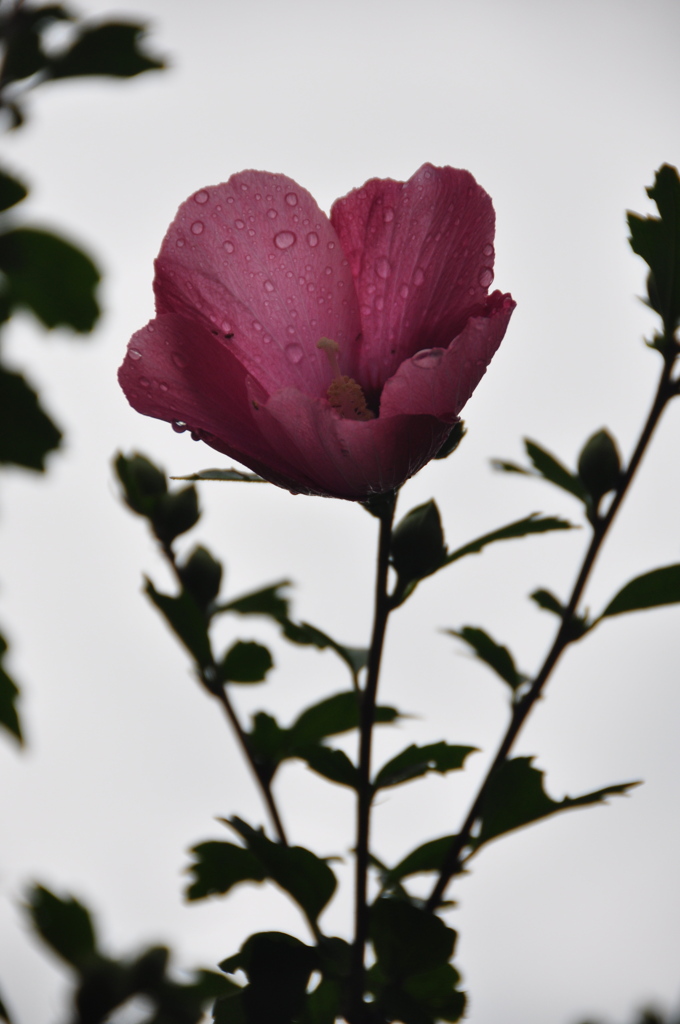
x: 383, y: 268
x: 244, y: 188
x: 293, y: 352
x: 488, y: 250
x: 144, y: 382
x: 268, y: 286
x: 239, y: 224
x: 197, y: 227
x: 201, y: 197
x: 267, y: 339
x: 163, y: 386
x: 257, y: 326
x: 380, y: 303
x: 403, y: 291
x: 272, y: 214
x: 226, y: 327
x: 313, y: 239
x: 485, y: 277
x: 418, y: 277
x: 290, y: 329
x: 179, y: 243
x: 428, y: 358
x: 134, y: 354
x: 331, y: 245
x: 285, y: 239
x: 179, y: 361
x: 179, y: 426
x: 229, y: 246
x: 291, y: 199
x: 388, y: 215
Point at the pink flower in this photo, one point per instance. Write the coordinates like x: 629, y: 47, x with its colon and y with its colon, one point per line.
x: 330, y: 356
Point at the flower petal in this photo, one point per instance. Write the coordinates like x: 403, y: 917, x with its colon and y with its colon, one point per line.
x: 421, y: 253
x: 257, y: 259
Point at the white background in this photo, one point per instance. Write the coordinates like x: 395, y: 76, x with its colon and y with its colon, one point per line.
x: 562, y: 111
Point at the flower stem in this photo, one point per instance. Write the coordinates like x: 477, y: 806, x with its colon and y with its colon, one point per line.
x: 382, y: 610
x: 454, y: 862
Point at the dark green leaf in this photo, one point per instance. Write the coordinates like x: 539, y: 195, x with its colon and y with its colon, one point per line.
x: 230, y: 1010
x: 27, y: 433
x: 302, y: 633
x: 428, y: 857
x: 174, y: 513
x: 246, y: 663
x: 303, y: 875
x: 220, y: 866
x: 332, y: 764
x: 50, y: 277
x: 21, y: 35
x: 436, y: 992
x: 268, y: 740
x: 9, y: 693
x: 544, y: 599
x: 65, y: 925
x: 417, y: 547
x: 579, y: 625
x: 416, y: 761
x: 201, y: 575
x: 494, y: 655
x: 407, y: 939
x: 323, y: 1005
x: 261, y: 602
x: 657, y: 241
x: 599, y: 466
x: 4, y: 1013
x: 11, y: 191
x: 143, y: 483
x: 652, y: 590
x: 332, y: 716
x: 522, y: 528
x: 111, y: 49
x: 457, y: 434
x: 278, y: 967
x: 224, y: 474
x: 186, y: 620
x: 552, y: 469
x: 516, y: 797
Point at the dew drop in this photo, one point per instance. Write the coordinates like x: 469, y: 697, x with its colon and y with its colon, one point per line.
x: 290, y: 329
x: 226, y: 327
x: 163, y: 386
x: 403, y: 291
x: 144, y: 382
x: 257, y: 326
x: 488, y: 250
x: 485, y: 277
x: 418, y: 277
x: 388, y: 215
x: 195, y: 434
x: 268, y: 286
x: 267, y: 339
x: 291, y: 199
x: 179, y: 243
x: 179, y: 426
x: 229, y: 246
x: 244, y: 188
x: 201, y: 197
x: 428, y: 358
x: 272, y: 214
x: 383, y: 268
x: 313, y: 239
x: 197, y: 227
x: 179, y: 361
x: 366, y: 311
x: 293, y: 352
x: 285, y: 239
x: 134, y: 354
x: 380, y: 303
x: 331, y: 245
x: 328, y: 270
x: 239, y: 224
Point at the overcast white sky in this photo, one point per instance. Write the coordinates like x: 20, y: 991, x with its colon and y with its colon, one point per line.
x: 562, y: 111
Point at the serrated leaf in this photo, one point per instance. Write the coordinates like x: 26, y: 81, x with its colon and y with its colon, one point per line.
x: 334, y: 715
x: 110, y: 49
x: 428, y: 857
x: 651, y: 590
x: 9, y: 694
x: 534, y: 523
x: 49, y: 276
x: 332, y: 764
x: 12, y: 191
x: 492, y: 654
x: 27, y: 434
x: 551, y: 469
x: 246, y: 662
x: 220, y: 866
x: 186, y: 620
x: 268, y: 601
x: 407, y: 939
x: 415, y: 761
x: 355, y: 658
x: 303, y: 875
x: 224, y: 474
x: 516, y: 797
x: 65, y: 925
x: 657, y: 241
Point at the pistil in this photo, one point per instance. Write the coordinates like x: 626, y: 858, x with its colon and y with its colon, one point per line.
x: 344, y: 394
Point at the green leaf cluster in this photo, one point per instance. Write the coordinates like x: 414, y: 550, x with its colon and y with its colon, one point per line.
x: 657, y: 241
x: 104, y: 984
x: 9, y: 693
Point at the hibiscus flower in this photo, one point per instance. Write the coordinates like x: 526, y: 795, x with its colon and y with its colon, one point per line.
x: 331, y: 356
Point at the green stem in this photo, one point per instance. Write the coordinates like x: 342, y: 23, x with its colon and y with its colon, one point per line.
x: 454, y: 862
x: 365, y: 795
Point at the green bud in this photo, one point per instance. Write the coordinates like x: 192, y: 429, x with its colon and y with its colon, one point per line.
x: 418, y: 547
x: 201, y: 575
x: 142, y: 482
x: 599, y: 466
x: 174, y: 514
